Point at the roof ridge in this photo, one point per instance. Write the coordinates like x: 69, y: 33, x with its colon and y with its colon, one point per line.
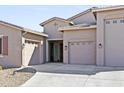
x: 109, y: 7
x: 51, y: 19
x: 23, y: 28
x: 11, y: 24
x: 79, y: 14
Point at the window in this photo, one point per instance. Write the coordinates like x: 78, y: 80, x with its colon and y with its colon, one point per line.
x: 114, y: 21
x: 107, y: 22
x: 1, y: 44
x: 121, y: 21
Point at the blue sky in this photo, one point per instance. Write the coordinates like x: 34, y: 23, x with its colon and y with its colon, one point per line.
x: 31, y: 16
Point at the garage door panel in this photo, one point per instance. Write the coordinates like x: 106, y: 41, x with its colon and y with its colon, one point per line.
x: 82, y: 53
x: 114, y: 45
x: 35, y: 56
x: 31, y: 53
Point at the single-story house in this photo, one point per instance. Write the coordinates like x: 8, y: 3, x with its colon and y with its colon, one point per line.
x: 20, y: 46
x: 92, y: 37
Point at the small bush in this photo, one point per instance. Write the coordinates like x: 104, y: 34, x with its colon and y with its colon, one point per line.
x: 1, y: 68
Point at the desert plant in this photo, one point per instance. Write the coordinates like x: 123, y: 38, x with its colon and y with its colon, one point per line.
x: 1, y: 68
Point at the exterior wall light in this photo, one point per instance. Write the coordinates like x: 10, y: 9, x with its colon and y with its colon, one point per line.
x: 66, y: 47
x: 100, y: 45
x: 23, y: 45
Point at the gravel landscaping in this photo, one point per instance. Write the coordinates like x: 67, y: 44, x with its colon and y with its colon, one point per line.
x: 10, y: 79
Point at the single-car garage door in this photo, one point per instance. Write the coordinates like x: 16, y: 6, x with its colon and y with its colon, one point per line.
x: 82, y: 52
x: 31, y: 55
x: 114, y: 42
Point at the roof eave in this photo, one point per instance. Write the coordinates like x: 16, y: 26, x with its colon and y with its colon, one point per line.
x: 34, y: 32
x: 11, y: 25
x: 19, y: 28
x: 42, y: 24
x: 79, y: 14
x: 76, y: 28
x: 52, y: 19
x: 108, y: 8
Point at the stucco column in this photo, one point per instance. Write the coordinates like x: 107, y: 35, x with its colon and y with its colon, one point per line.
x: 100, y: 42
x: 23, y: 51
x: 41, y: 52
x: 47, y: 46
x: 65, y: 52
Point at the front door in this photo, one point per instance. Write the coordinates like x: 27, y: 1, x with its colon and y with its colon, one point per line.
x: 56, y: 52
x: 51, y: 51
x: 61, y: 52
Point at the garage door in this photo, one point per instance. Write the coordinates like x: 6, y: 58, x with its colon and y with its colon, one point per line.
x: 82, y: 53
x: 114, y: 42
x: 31, y: 53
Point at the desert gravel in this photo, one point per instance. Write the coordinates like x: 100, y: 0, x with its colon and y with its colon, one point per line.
x: 8, y: 79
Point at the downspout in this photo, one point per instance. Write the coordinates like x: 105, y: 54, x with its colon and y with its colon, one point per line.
x: 95, y: 16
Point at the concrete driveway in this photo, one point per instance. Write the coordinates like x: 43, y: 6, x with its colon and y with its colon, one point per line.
x: 66, y: 75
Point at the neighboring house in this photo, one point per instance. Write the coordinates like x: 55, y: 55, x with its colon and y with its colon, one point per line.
x: 93, y: 37
x: 20, y: 46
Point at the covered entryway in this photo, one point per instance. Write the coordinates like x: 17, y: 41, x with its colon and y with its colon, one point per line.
x: 82, y: 52
x: 56, y: 51
x: 114, y: 42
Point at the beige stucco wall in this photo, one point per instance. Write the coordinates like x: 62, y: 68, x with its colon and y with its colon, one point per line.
x: 52, y: 30
x: 53, y: 33
x: 101, y: 16
x: 41, y: 51
x: 86, y: 18
x: 14, y: 46
x: 77, y: 35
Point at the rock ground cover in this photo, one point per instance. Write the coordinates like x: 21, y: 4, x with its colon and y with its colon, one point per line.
x: 10, y: 79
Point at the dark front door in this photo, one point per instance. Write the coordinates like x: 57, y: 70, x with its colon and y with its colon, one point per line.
x: 51, y: 49
x: 61, y: 52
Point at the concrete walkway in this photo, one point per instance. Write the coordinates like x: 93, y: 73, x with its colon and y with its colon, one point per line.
x: 65, y: 75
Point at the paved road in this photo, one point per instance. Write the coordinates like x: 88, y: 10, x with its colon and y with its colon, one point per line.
x: 64, y: 75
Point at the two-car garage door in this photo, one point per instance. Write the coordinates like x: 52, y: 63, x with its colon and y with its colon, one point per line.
x: 82, y: 52
x: 114, y: 42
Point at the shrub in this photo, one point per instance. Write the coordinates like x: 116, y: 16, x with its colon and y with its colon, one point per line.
x: 1, y: 68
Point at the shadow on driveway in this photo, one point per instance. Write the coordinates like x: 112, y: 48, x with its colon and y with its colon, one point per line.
x: 73, y: 69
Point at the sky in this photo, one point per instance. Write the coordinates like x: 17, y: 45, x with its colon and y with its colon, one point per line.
x: 30, y: 16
